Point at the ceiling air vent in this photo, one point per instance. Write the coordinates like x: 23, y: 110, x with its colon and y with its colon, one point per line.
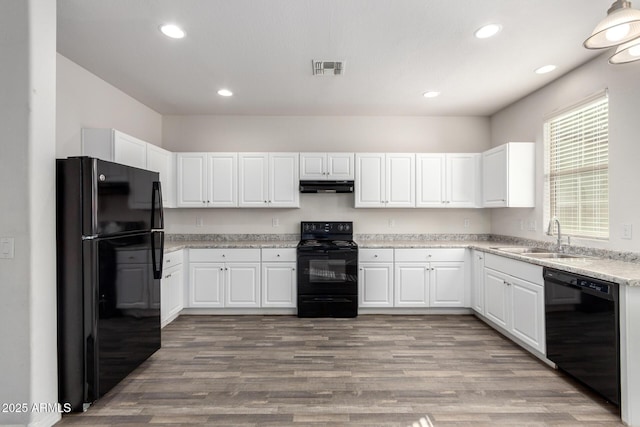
x: 327, y: 67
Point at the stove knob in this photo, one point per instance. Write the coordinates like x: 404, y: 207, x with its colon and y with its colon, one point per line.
x: 340, y: 227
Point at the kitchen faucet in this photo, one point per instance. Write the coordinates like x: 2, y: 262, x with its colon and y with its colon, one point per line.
x: 550, y: 231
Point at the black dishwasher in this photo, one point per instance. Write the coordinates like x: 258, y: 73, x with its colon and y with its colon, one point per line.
x: 582, y: 327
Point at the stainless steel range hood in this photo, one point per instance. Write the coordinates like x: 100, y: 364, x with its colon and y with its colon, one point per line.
x: 326, y: 186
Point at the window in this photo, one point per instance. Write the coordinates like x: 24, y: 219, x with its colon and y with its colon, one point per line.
x: 577, y: 169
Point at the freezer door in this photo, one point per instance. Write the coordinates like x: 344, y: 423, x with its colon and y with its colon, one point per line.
x: 127, y: 321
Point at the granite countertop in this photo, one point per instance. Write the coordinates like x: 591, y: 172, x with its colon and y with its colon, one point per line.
x: 599, y: 267
x: 170, y: 246
x: 623, y: 272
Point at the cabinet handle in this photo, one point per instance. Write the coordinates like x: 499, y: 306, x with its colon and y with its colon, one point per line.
x: 429, y: 256
x: 167, y: 276
x: 293, y: 269
x: 203, y: 202
x: 208, y: 201
x: 265, y: 201
x: 221, y: 268
x: 225, y: 269
x: 375, y: 256
x: 168, y: 260
x: 223, y: 255
x: 278, y: 255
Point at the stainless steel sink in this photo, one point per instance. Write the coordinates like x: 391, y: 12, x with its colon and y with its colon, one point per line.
x: 551, y: 255
x: 522, y: 250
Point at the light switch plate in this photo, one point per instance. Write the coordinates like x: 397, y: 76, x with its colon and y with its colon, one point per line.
x: 7, y: 247
x: 627, y: 231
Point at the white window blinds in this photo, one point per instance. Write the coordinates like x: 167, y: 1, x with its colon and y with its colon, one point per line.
x: 577, y: 170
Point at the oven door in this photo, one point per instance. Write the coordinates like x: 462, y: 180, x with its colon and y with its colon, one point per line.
x: 328, y: 272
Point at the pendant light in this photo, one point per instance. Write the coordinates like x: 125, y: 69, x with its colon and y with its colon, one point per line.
x: 621, y: 25
x: 627, y: 52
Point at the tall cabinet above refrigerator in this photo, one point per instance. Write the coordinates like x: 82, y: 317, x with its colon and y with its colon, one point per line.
x: 109, y: 258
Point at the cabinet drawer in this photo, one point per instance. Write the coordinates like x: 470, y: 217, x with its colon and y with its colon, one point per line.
x: 429, y: 254
x: 375, y: 255
x: 515, y: 268
x: 279, y: 254
x: 171, y: 259
x: 224, y: 255
x: 133, y: 257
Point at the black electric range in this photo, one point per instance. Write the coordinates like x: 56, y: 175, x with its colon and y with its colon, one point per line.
x: 327, y: 270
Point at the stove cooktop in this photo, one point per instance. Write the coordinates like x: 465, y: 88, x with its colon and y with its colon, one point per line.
x: 311, y: 244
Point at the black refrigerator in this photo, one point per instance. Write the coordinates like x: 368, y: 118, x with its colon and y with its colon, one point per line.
x: 109, y: 263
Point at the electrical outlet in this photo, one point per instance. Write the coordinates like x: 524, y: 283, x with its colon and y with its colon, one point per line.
x: 392, y: 223
x: 275, y: 222
x: 627, y: 231
x: 7, y: 247
x: 199, y: 221
x: 533, y: 226
x: 467, y: 223
x: 522, y: 225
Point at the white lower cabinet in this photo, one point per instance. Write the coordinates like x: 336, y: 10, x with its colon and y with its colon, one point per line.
x: 429, y: 278
x: 375, y: 277
x: 224, y: 278
x: 171, y: 288
x: 279, y: 278
x: 477, y: 279
x: 514, y: 299
x: 411, y: 285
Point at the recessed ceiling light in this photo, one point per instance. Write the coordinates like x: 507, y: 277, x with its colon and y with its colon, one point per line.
x: 431, y: 94
x: 546, y: 69
x: 173, y: 31
x: 487, y: 31
x: 225, y: 92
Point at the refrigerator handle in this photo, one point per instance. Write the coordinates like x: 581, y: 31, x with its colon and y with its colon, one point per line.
x: 157, y: 191
x: 157, y: 253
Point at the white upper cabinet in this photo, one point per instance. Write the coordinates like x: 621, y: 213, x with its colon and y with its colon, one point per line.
x: 114, y: 146
x: 162, y: 161
x: 447, y: 180
x: 327, y: 166
x: 191, y: 180
x: 385, y: 180
x: 207, y: 180
x: 222, y: 180
x: 268, y: 180
x: 508, y: 175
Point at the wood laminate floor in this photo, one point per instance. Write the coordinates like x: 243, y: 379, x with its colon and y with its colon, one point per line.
x: 369, y: 371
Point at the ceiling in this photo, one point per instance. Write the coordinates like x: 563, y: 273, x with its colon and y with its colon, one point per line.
x: 394, y: 50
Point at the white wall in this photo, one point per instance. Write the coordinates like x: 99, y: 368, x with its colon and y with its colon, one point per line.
x: 85, y: 100
x: 523, y: 121
x: 326, y: 133
x: 27, y: 190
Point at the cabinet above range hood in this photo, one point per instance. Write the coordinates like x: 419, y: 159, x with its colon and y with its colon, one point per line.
x: 326, y: 186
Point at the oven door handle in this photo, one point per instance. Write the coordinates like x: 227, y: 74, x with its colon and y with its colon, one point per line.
x: 330, y: 299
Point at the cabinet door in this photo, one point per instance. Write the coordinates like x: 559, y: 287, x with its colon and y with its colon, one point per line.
x: 340, y: 166
x: 279, y: 284
x: 191, y: 180
x: 375, y: 282
x: 411, y: 285
x: 206, y: 284
x: 313, y: 166
x: 253, y: 180
x: 370, y: 179
x: 462, y: 180
x: 527, y: 312
x: 161, y: 161
x: 495, y: 297
x: 171, y: 294
x: 222, y: 183
x: 477, y: 286
x: 242, y: 284
x: 447, y: 284
x: 494, y: 177
x: 400, y: 181
x: 129, y: 151
x: 430, y: 180
x: 284, y: 181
